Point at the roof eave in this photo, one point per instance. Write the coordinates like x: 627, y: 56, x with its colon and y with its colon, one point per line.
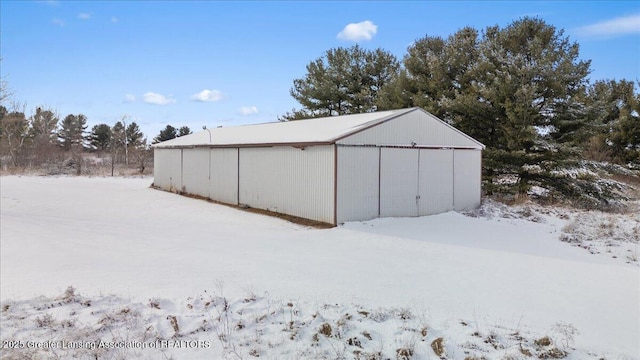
x: 297, y: 144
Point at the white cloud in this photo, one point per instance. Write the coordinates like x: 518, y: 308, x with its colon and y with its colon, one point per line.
x: 84, y: 16
x: 618, y: 26
x: 248, y: 110
x: 358, y: 31
x: 129, y: 98
x: 207, y: 96
x: 58, y: 22
x: 114, y: 19
x: 158, y: 99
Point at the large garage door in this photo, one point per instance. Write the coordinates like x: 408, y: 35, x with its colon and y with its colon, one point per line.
x: 398, y: 182
x: 415, y: 182
x: 435, y: 181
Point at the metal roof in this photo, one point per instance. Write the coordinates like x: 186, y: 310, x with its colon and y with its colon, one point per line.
x: 312, y: 131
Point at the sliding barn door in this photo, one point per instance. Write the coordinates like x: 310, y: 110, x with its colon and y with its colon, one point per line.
x: 435, y: 181
x: 398, y: 182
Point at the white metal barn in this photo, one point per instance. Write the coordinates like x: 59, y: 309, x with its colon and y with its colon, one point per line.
x: 344, y: 168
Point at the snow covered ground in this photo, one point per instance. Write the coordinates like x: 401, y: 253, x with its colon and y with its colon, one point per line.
x: 149, y: 266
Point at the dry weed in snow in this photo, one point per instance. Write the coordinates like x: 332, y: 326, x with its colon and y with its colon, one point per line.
x: 212, y: 326
x: 616, y: 235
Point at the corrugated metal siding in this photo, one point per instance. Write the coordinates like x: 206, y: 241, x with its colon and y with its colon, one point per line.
x: 289, y: 180
x: 398, y: 182
x: 358, y: 171
x: 417, y: 126
x: 435, y: 181
x: 167, y: 169
x: 223, y: 185
x: 195, y: 171
x: 467, y: 179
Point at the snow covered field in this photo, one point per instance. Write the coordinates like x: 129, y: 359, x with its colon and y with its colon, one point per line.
x: 150, y: 266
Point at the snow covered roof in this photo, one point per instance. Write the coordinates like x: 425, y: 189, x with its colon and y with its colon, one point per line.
x: 319, y: 130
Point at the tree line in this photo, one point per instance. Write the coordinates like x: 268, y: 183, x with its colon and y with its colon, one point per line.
x: 42, y: 140
x: 522, y: 90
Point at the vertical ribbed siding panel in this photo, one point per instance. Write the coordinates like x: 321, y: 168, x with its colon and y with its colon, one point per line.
x: 398, y: 182
x: 358, y: 171
x: 467, y: 179
x: 435, y: 181
x: 417, y: 127
x: 195, y: 171
x: 289, y: 180
x: 223, y: 185
x: 167, y: 165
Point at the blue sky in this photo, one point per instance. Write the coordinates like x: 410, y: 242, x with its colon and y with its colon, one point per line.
x: 229, y: 63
